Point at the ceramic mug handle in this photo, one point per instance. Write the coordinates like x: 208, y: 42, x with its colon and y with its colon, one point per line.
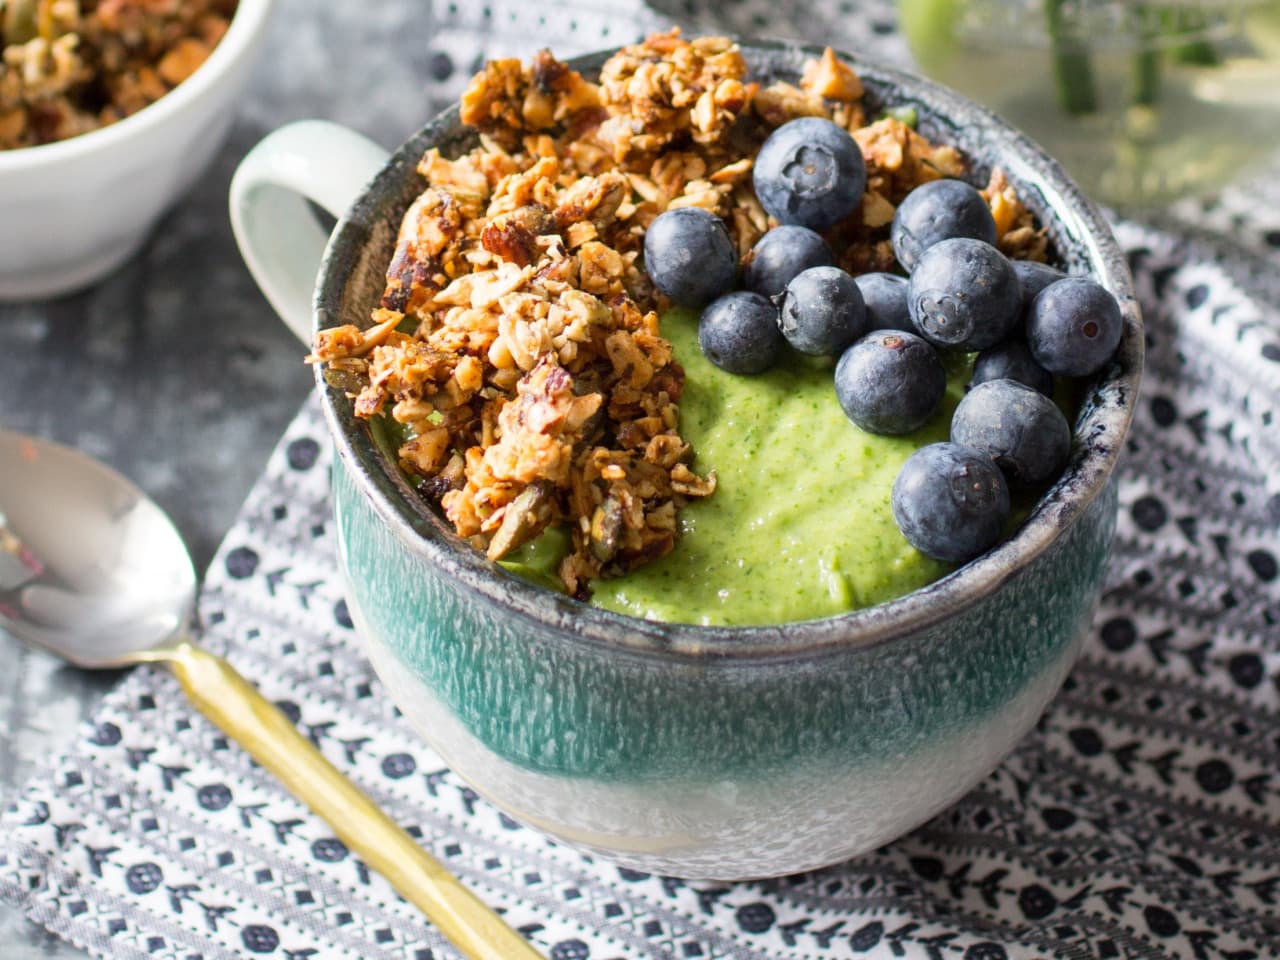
x: 278, y: 236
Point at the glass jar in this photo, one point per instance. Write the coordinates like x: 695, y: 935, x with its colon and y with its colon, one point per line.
x: 1143, y: 102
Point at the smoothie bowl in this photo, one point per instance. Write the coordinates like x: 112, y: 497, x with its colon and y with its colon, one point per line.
x: 832, y: 691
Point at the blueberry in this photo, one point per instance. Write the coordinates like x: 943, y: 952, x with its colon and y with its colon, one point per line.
x: 822, y: 312
x: 1018, y: 427
x: 1034, y: 277
x: 1011, y: 360
x: 739, y: 332
x: 885, y: 295
x: 890, y: 382
x: 690, y: 256
x: 939, y: 210
x: 1074, y: 327
x: 810, y: 172
x: 950, y: 501
x: 964, y: 294
x: 780, y: 255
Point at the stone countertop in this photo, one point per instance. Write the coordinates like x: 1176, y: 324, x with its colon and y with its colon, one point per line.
x: 175, y: 370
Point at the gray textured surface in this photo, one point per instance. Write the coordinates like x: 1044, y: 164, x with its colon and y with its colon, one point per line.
x: 175, y: 370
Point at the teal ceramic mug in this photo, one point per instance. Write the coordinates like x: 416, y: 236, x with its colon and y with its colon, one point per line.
x: 700, y: 752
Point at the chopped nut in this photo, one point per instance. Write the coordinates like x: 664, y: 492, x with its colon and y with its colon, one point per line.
x: 736, y: 172
x: 182, y: 60
x: 13, y: 124
x: 685, y: 481
x: 876, y: 210
x: 576, y: 234
x: 338, y: 343
x: 463, y: 176
x: 830, y: 79
x: 606, y: 525
x: 591, y: 198
x: 426, y: 453
x: 522, y: 519
x: 780, y: 102
x: 510, y: 240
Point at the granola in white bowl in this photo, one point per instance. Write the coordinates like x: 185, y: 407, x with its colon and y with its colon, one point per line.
x: 72, y: 66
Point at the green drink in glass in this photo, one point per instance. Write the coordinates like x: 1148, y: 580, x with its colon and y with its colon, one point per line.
x: 1143, y: 102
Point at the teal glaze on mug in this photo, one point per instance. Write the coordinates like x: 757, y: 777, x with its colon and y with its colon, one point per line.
x: 718, y: 752
x: 580, y: 710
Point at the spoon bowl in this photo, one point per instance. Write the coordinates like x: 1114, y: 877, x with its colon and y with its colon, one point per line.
x: 95, y: 572
x: 97, y: 551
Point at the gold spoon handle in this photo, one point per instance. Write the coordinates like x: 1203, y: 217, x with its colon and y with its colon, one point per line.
x: 242, y: 713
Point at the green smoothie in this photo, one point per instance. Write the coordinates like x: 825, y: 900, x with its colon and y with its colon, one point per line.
x: 799, y: 526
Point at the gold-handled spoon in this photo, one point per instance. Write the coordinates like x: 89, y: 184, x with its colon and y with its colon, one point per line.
x: 95, y: 572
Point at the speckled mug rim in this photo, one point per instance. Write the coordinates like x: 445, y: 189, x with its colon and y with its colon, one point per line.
x: 1104, y: 421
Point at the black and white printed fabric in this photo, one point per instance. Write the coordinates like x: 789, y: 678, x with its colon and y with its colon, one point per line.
x: 1141, y: 818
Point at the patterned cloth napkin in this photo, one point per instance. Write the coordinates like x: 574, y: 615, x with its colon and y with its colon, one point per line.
x: 1141, y: 818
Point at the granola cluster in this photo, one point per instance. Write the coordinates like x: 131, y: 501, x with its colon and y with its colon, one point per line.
x: 71, y: 66
x: 518, y: 337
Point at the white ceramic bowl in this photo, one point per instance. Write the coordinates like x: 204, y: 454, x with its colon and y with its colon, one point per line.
x: 74, y: 210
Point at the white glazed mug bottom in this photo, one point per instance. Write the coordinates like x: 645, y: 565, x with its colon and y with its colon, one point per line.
x: 800, y: 819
